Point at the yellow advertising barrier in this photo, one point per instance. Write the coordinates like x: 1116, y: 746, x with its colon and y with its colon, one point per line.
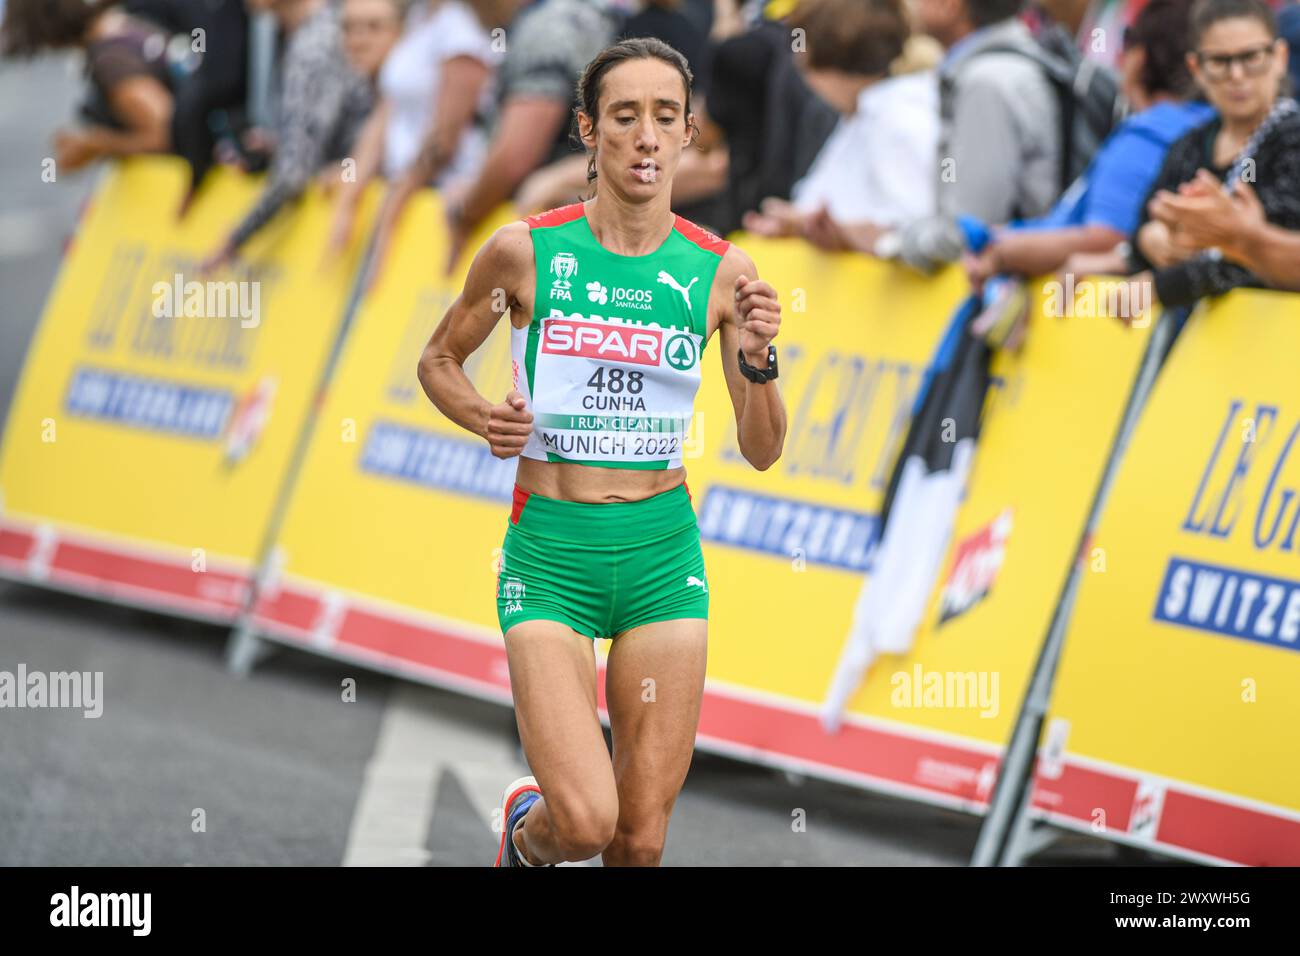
x: 1051, y: 416
x: 1175, y: 710
x: 388, y: 550
x: 157, y: 410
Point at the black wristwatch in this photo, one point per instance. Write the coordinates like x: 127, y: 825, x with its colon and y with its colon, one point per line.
x: 759, y: 375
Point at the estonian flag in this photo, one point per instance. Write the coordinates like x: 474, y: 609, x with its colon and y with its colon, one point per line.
x: 920, y: 504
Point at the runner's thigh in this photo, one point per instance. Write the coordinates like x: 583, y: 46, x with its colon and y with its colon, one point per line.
x: 653, y: 686
x: 553, y: 678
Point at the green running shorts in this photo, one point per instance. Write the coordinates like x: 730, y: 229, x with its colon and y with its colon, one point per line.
x: 601, y: 568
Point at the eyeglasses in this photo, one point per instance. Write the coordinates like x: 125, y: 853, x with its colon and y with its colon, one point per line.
x: 370, y: 25
x: 1218, y: 66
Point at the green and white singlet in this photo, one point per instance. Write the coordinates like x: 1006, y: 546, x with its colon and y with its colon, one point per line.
x: 610, y: 363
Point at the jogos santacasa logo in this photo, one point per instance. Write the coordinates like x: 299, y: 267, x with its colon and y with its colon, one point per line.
x: 635, y: 344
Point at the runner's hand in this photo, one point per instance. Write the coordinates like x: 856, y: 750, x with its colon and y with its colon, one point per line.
x: 758, y: 315
x: 509, y: 425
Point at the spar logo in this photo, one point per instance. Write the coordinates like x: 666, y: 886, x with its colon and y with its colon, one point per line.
x: 975, y: 566
x: 682, y: 353
x: 624, y: 343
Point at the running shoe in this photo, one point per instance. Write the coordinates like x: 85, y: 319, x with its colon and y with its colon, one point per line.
x: 516, y: 800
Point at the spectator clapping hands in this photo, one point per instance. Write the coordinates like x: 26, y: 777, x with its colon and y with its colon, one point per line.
x: 1204, y: 215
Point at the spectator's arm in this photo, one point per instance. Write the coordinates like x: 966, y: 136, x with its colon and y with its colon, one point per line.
x: 1034, y: 252
x: 312, y: 98
x: 144, y: 107
x: 462, y: 80
x: 1185, y: 282
x: 369, y: 152
x: 699, y: 175
x: 553, y: 185
x: 1272, y: 253
x: 524, y: 134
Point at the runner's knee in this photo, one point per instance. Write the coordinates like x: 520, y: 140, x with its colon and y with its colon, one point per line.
x: 583, y: 827
x: 641, y: 847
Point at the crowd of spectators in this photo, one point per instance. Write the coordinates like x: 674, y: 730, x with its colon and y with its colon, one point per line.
x: 1152, y: 138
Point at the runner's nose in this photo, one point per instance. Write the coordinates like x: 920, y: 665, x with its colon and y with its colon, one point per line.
x: 645, y: 136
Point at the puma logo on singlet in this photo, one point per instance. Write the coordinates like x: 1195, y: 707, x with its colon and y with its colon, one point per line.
x: 693, y: 581
x: 668, y: 280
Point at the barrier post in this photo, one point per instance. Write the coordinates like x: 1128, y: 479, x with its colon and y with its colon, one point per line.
x: 245, y: 649
x: 1007, y: 836
x: 261, y: 60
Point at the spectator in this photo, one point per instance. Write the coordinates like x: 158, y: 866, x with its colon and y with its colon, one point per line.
x: 888, y: 127
x: 321, y: 106
x: 1207, y: 216
x: 434, y: 89
x: 210, y: 102
x: 1095, y: 25
x: 669, y: 20
x: 549, y: 46
x: 371, y: 28
x: 126, y: 60
x: 701, y: 175
x: 773, y: 123
x: 1102, y: 208
x: 1000, y: 143
x: 1241, y: 63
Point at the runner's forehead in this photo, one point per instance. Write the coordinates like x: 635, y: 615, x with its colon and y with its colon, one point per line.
x: 638, y: 82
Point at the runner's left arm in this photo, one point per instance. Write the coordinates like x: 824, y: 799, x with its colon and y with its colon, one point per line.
x: 751, y: 318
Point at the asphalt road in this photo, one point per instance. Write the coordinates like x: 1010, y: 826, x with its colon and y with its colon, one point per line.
x: 191, y: 766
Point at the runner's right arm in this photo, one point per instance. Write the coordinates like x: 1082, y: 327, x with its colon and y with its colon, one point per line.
x: 502, y: 267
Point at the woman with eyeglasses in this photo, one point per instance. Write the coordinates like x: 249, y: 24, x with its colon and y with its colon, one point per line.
x: 433, y: 89
x: 371, y: 28
x: 320, y: 107
x: 1096, y: 215
x: 1239, y: 61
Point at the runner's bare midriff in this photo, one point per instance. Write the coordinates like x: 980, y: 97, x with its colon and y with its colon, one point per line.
x: 592, y: 484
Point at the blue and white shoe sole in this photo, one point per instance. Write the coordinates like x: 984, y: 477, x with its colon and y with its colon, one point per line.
x: 509, y: 797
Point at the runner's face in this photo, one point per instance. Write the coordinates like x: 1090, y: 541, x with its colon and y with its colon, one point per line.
x: 641, y: 127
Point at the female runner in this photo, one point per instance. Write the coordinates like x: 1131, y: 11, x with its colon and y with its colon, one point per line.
x: 611, y: 304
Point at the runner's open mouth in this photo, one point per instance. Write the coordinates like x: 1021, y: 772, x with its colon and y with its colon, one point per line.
x: 647, y: 170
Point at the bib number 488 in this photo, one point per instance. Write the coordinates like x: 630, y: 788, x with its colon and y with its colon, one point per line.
x: 616, y: 380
